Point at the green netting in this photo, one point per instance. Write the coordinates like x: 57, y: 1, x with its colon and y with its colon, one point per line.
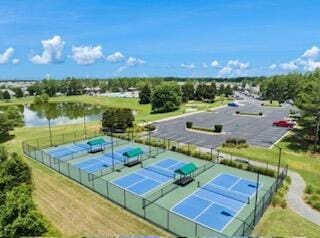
x: 116, y: 194
x: 100, y: 186
x: 182, y: 226
x: 64, y: 169
x: 206, y: 232
x: 157, y: 214
x: 74, y: 173
x: 134, y: 203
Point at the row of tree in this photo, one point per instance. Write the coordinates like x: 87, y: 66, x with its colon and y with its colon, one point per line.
x: 304, y: 90
x: 18, y: 214
x: 168, y: 96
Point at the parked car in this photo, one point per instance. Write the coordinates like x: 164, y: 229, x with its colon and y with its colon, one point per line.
x: 233, y: 104
x: 284, y: 123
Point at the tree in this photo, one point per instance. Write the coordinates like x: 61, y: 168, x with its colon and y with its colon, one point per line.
x: 5, y: 126
x: 206, y: 92
x: 145, y: 94
x: 14, y: 116
x: 50, y: 87
x: 308, y: 101
x: 117, y: 118
x: 166, y: 97
x: 187, y: 91
x: 18, y: 92
x: 6, y: 95
x: 228, y: 91
x: 221, y: 89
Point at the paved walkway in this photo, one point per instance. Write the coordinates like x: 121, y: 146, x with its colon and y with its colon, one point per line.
x: 295, y: 194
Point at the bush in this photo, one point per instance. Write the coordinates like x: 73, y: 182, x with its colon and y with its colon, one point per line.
x: 218, y: 128
x: 150, y: 127
x: 237, y: 112
x: 189, y: 124
x: 260, y: 113
x: 309, y: 189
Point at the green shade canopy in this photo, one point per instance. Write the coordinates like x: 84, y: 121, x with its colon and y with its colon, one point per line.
x: 99, y: 141
x: 133, y: 153
x: 186, y: 169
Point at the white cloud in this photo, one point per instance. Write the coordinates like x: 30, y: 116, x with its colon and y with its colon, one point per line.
x: 204, y: 65
x: 134, y: 61
x: 226, y: 70
x: 273, y: 66
x: 236, y: 64
x: 115, y: 57
x: 6, y: 55
x: 15, y: 61
x: 292, y: 65
x: 312, y: 65
x: 215, y: 64
x: 187, y: 66
x: 52, y: 51
x: 86, y: 54
x: 312, y: 53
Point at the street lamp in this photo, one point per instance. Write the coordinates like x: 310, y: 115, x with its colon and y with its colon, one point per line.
x: 257, y: 191
x: 50, y: 133
x: 149, y: 136
x: 84, y: 124
x: 279, y: 162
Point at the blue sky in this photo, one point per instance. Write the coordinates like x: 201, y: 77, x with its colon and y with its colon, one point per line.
x: 157, y: 38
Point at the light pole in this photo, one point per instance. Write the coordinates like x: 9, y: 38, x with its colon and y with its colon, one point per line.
x: 279, y: 162
x: 84, y: 124
x: 149, y: 136
x: 50, y: 133
x: 257, y: 191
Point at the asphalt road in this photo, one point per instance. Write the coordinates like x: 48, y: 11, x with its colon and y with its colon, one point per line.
x: 256, y: 130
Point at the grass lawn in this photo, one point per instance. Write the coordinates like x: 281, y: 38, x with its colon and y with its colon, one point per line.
x: 73, y: 210
x: 269, y: 104
x: 143, y: 111
x: 278, y: 222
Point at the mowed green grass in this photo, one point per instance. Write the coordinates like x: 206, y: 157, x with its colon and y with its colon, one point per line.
x: 278, y: 222
x: 142, y: 111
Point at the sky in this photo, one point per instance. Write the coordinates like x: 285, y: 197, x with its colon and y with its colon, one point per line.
x: 144, y: 38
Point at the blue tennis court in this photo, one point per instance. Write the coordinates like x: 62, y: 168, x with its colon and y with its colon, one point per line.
x: 60, y: 153
x: 216, y: 203
x: 149, y: 178
x: 103, y: 161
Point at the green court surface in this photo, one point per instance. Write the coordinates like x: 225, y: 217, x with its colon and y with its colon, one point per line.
x: 148, y: 190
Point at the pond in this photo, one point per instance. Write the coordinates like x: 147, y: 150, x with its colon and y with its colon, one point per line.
x: 59, y: 113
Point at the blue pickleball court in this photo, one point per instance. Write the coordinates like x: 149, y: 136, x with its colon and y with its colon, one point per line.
x: 217, y: 203
x: 151, y: 177
x: 103, y: 161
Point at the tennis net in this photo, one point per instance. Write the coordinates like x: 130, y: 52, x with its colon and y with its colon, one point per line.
x: 225, y: 192
x: 161, y: 171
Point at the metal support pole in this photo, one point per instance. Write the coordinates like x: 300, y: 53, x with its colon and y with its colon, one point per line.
x: 256, y: 199
x: 50, y: 133
x: 112, y: 151
x: 85, y: 125
x: 149, y: 133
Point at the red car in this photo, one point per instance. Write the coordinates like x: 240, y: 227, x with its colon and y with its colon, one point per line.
x: 283, y: 123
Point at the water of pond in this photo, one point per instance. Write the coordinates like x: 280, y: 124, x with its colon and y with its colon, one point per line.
x: 59, y: 113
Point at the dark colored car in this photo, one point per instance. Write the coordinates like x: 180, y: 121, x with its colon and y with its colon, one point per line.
x: 233, y: 104
x: 283, y: 123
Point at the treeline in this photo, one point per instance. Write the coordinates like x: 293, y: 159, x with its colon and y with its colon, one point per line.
x: 168, y: 96
x: 75, y: 86
x: 304, y: 90
x: 18, y: 214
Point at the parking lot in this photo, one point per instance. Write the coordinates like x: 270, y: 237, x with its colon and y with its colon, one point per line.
x: 257, y: 130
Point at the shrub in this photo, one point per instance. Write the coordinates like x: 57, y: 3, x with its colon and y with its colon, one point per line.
x: 260, y: 113
x: 309, y: 189
x: 189, y: 124
x: 237, y: 112
x: 218, y: 128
